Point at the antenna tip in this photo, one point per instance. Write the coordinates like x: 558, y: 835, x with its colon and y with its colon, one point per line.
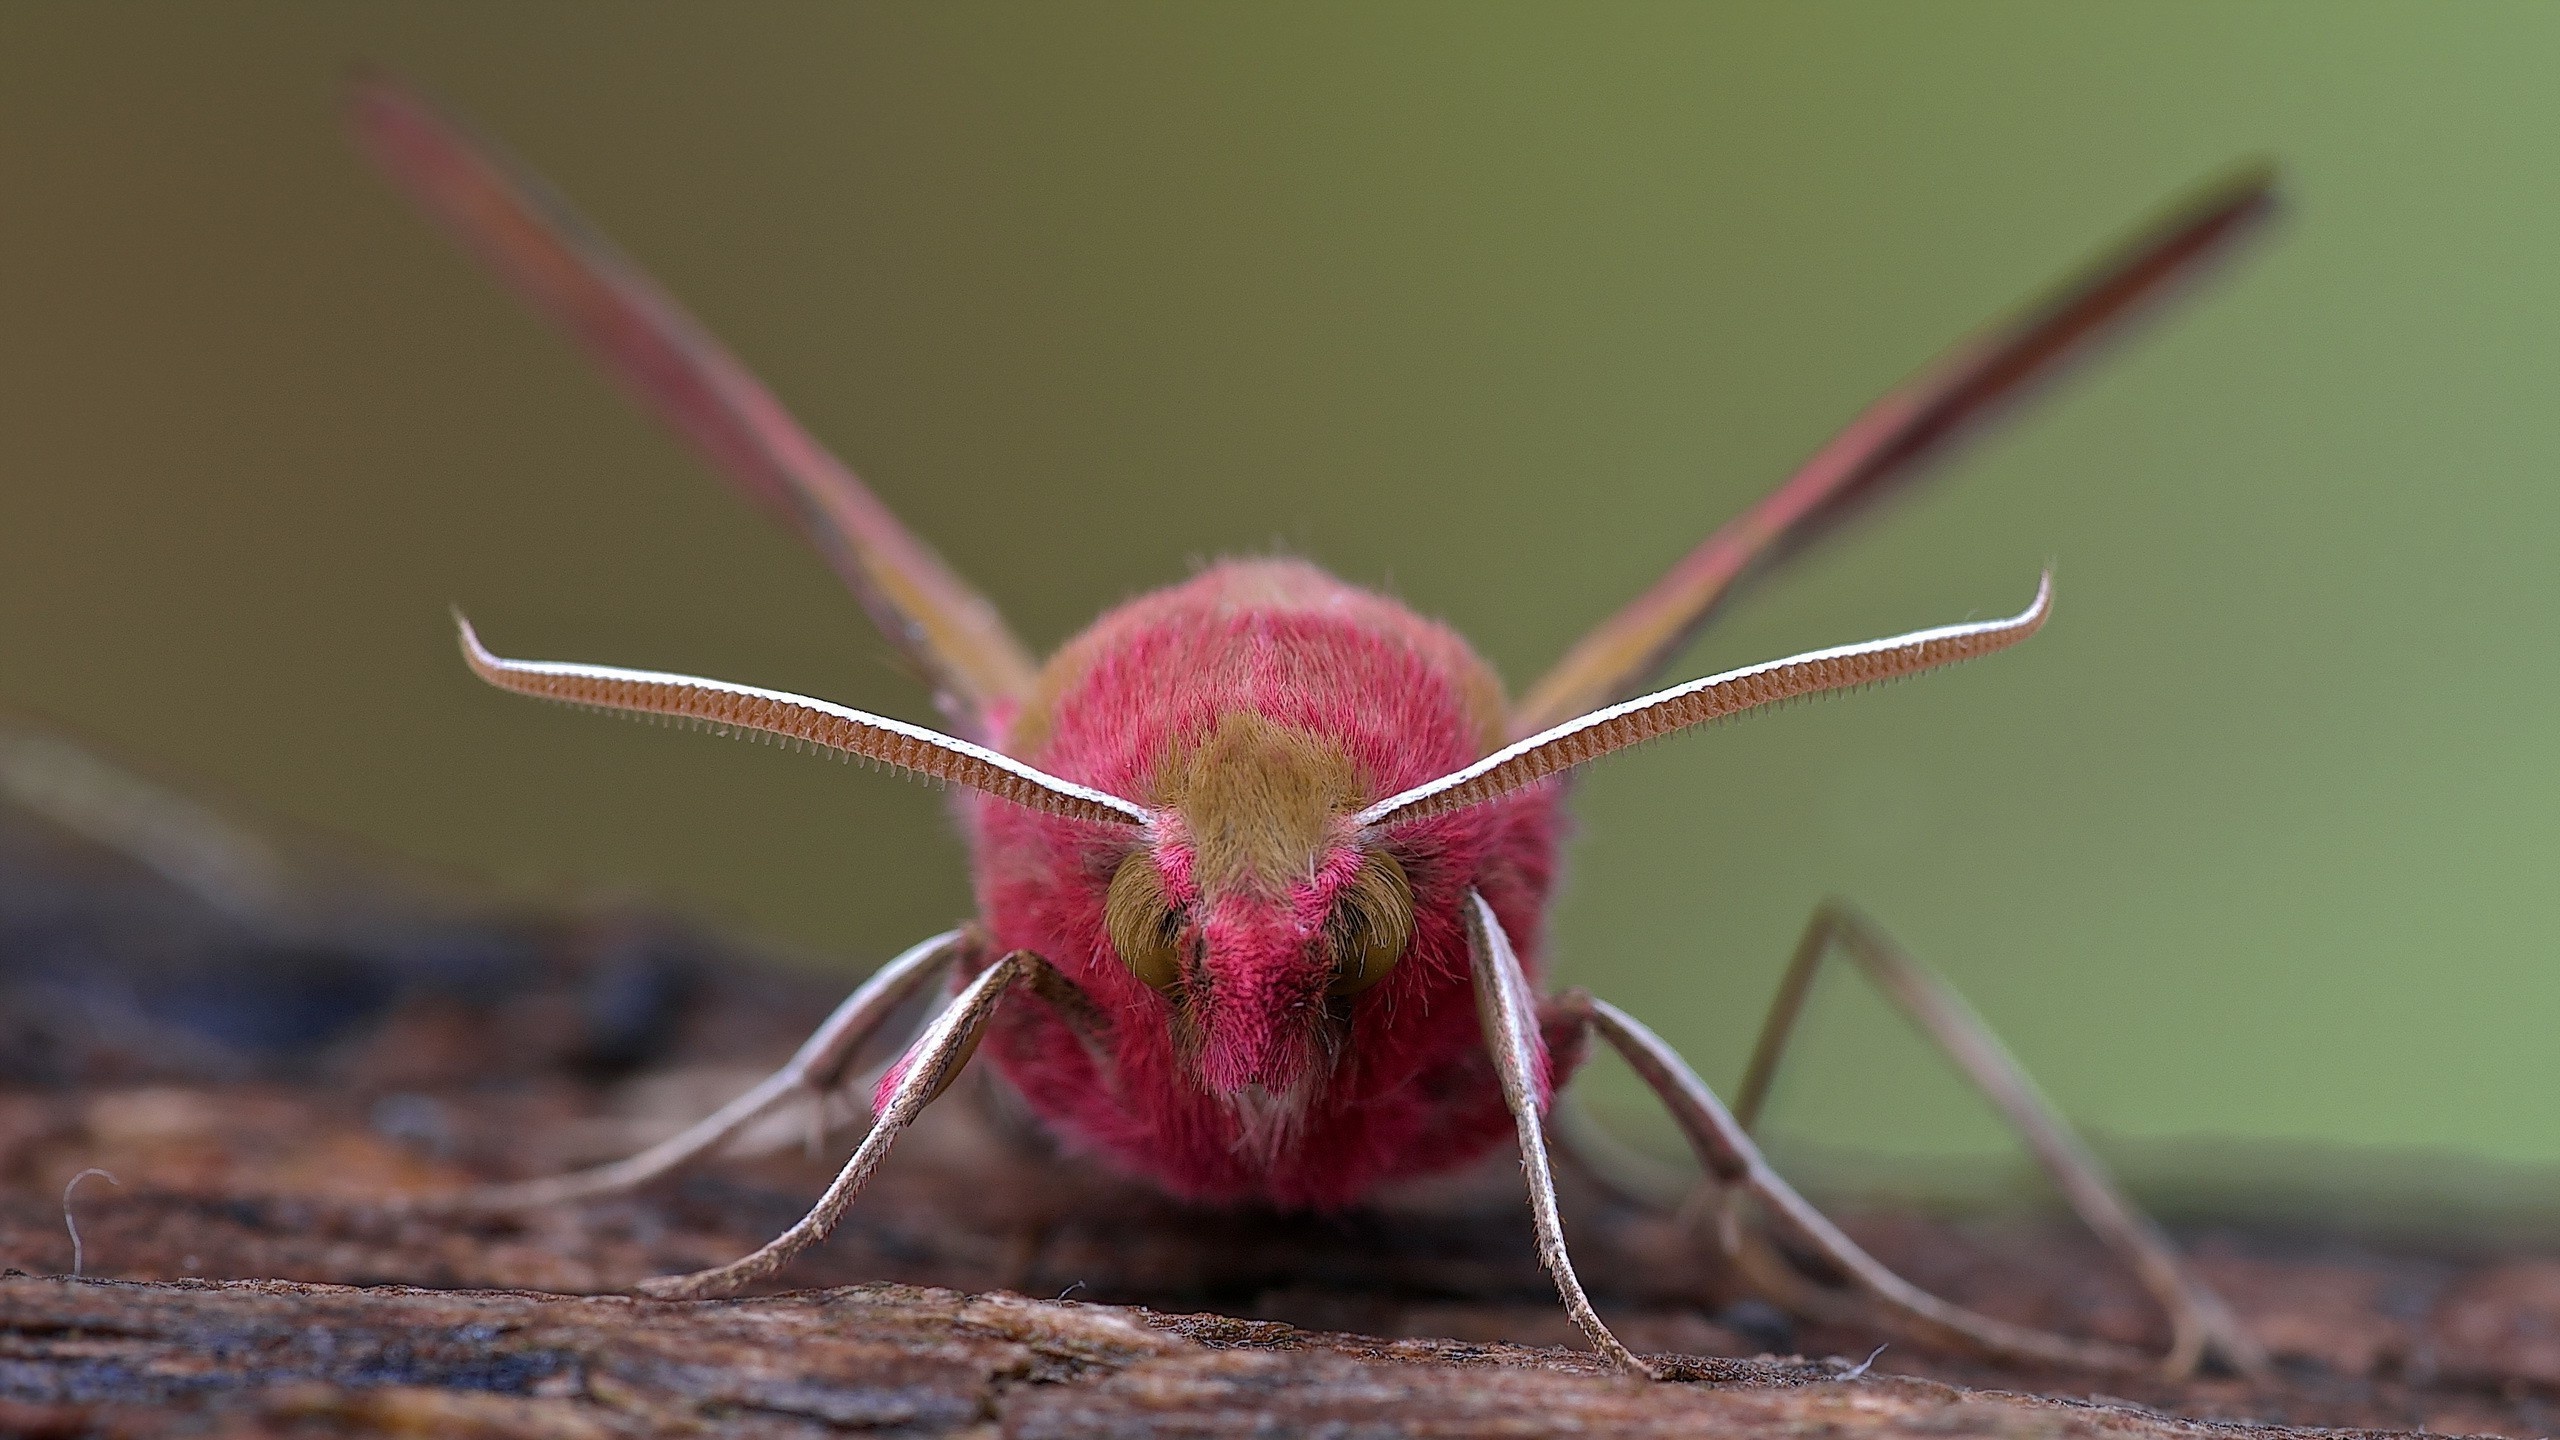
x: 472, y: 649
x: 2038, y: 610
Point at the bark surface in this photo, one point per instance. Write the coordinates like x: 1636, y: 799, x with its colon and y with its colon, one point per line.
x: 262, y: 1084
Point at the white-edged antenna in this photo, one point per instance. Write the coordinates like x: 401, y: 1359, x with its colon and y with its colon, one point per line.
x: 1586, y: 738
x: 822, y: 723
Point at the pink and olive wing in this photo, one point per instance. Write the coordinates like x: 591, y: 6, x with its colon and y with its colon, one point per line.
x: 1893, y: 442
x: 519, y: 228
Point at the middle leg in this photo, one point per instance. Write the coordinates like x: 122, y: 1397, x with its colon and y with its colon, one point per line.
x: 819, y: 1065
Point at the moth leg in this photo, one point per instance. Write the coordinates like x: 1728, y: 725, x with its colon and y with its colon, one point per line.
x: 928, y: 1068
x: 1586, y: 1143
x: 1507, y: 1012
x: 2200, y: 1325
x: 818, y: 1067
x: 1735, y: 1163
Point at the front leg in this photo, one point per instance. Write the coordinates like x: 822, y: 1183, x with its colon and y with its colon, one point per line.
x: 925, y: 1072
x: 1507, y: 1012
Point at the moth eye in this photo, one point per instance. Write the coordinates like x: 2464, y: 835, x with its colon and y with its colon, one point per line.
x: 1373, y: 925
x: 1142, y: 925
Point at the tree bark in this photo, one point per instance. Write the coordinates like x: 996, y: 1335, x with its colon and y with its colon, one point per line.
x: 263, y: 1087
x: 232, y: 1357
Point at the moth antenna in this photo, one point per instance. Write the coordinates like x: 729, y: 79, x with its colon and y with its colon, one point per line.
x: 733, y: 709
x: 1601, y: 732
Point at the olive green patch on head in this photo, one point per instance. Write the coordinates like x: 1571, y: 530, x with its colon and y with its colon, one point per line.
x: 1261, y: 802
x: 1372, y: 924
x: 1141, y: 924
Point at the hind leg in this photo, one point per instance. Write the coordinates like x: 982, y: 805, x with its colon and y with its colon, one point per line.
x: 1513, y: 1023
x: 2201, y: 1326
x: 1736, y: 1166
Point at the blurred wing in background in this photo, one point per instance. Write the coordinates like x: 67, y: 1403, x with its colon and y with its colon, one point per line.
x: 1893, y: 442
x: 516, y: 225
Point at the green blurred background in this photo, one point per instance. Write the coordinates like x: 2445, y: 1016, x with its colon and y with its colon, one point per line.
x: 1498, y: 307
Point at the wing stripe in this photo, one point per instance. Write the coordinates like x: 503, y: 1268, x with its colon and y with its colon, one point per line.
x: 1891, y: 443
x: 522, y: 230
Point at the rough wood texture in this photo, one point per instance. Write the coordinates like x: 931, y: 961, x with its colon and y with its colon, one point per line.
x: 260, y: 1086
x: 246, y: 1357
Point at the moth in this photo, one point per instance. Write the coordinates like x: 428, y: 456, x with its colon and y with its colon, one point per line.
x: 1261, y: 857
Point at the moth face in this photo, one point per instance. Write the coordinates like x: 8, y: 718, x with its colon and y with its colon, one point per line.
x: 1259, y: 914
x: 1340, y: 934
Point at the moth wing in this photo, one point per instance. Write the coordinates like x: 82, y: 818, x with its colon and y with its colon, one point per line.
x: 520, y: 228
x: 1892, y: 443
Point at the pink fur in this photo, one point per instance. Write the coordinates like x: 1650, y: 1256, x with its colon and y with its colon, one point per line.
x: 1412, y: 1090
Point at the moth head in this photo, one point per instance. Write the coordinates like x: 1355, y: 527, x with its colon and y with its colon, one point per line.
x: 1257, y: 909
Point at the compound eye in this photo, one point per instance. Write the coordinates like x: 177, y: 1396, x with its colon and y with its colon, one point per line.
x: 1373, y: 923
x: 1142, y: 924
